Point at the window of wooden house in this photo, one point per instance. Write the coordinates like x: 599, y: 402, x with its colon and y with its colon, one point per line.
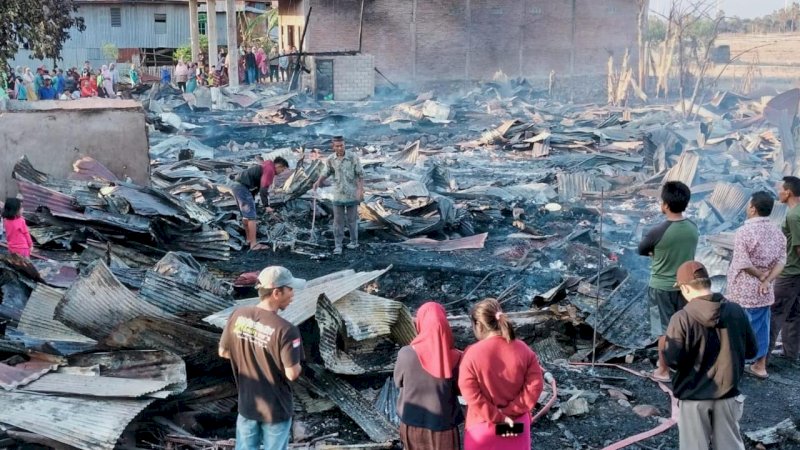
x: 202, y: 23
x: 116, y: 17
x: 160, y: 23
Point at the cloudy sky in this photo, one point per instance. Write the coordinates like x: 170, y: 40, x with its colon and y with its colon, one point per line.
x: 741, y: 8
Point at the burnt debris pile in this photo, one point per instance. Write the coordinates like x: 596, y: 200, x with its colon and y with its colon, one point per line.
x: 110, y: 333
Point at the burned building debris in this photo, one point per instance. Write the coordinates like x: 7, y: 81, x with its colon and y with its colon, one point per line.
x: 489, y: 191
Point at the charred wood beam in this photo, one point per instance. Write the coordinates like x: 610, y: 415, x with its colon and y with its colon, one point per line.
x: 296, y: 72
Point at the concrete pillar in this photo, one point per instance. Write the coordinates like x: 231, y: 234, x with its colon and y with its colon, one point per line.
x: 194, y: 29
x: 211, y: 32
x: 233, y: 46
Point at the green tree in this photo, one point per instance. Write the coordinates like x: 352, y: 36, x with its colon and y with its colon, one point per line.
x: 110, y: 51
x: 185, y: 51
x: 42, y: 26
x: 252, y: 29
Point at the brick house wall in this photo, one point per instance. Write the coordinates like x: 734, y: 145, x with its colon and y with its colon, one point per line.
x: 442, y: 40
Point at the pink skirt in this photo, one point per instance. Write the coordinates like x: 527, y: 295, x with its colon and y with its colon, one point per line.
x: 482, y: 437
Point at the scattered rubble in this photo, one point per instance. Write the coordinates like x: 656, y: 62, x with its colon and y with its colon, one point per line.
x: 489, y: 191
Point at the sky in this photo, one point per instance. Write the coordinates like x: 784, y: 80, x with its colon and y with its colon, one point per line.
x: 741, y: 8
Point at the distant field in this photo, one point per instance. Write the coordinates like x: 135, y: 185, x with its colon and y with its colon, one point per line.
x: 774, y: 49
x: 775, y: 63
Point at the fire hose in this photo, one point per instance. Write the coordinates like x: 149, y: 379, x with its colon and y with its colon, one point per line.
x: 549, y: 378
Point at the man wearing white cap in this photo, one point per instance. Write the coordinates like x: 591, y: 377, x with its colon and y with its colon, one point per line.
x: 265, y: 352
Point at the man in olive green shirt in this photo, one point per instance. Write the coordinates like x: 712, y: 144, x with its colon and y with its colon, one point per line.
x: 785, y: 312
x: 348, y: 192
x: 670, y: 244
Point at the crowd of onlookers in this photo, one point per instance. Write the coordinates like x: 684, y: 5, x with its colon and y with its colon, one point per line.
x: 256, y: 66
x: 24, y: 84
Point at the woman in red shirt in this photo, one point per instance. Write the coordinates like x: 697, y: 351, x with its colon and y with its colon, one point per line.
x: 501, y: 380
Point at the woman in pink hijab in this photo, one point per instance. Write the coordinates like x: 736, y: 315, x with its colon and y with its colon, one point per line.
x: 427, y: 374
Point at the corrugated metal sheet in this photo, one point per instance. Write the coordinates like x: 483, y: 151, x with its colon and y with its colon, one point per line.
x: 12, y: 377
x: 177, y: 297
x: 92, y: 386
x: 139, y: 364
x: 84, y: 423
x: 729, y: 200
x: 362, y: 333
x: 98, y: 303
x: 197, y: 347
x: 369, y: 316
x: 572, y: 185
x: 37, y: 317
x: 332, y: 349
x: 35, y: 196
x: 778, y: 215
x: 685, y: 169
x: 201, y: 244
x: 304, y: 305
x: 716, y: 261
x: 352, y: 403
x: 24, y: 170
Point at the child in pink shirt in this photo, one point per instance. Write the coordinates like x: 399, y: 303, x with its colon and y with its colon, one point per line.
x: 17, y: 235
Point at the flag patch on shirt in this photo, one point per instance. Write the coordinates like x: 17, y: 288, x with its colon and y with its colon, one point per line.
x: 297, y: 343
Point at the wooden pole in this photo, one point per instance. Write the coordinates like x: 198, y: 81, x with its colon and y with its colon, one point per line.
x: 194, y: 29
x: 211, y: 32
x: 233, y: 44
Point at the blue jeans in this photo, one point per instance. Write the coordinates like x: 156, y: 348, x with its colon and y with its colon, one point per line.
x: 252, y: 75
x: 251, y: 434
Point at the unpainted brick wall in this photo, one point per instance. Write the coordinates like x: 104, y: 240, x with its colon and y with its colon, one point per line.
x: 422, y: 40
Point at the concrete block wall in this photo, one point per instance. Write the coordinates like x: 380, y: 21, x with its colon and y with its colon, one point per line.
x: 353, y: 77
x: 53, y: 134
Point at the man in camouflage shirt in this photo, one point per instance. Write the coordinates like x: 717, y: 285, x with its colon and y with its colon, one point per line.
x: 348, y: 192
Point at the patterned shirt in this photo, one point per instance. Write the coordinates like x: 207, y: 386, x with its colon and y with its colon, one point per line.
x: 761, y: 245
x: 346, y: 172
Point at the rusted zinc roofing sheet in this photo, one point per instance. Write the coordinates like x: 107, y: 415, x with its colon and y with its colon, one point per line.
x: 98, y: 303
x: 12, y: 377
x: 304, y: 305
x: 728, y: 200
x: 177, y: 297
x: 88, y: 424
x: 92, y: 386
x: 36, y: 196
x: 685, y: 169
x: 37, y: 317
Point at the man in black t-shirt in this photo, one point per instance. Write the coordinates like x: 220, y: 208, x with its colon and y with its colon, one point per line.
x: 265, y: 352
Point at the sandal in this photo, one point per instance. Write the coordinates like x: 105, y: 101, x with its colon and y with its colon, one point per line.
x: 750, y: 370
x: 652, y: 375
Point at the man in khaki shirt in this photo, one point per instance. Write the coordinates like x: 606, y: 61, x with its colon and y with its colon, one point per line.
x: 348, y: 182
